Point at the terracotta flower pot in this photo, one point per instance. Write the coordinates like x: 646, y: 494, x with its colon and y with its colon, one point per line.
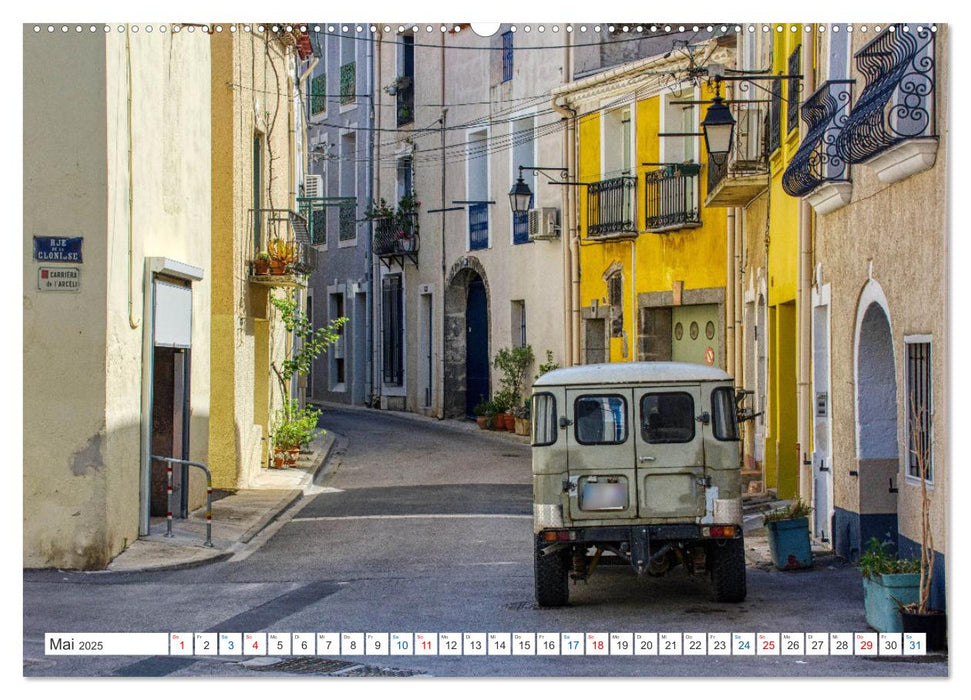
x: 278, y: 461
x: 496, y: 423
x: 509, y: 421
x: 522, y: 426
x: 482, y: 422
x: 261, y: 267
x: 277, y: 267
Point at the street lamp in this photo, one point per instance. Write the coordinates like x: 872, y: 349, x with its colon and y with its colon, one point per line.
x: 718, y: 128
x: 520, y: 195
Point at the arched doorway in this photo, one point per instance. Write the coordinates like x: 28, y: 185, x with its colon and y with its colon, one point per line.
x: 467, y: 358
x: 876, y: 420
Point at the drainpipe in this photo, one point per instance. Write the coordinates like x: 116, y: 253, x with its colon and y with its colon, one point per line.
x: 567, y: 354
x: 441, y: 294
x: 730, y: 295
x: 739, y: 323
x: 803, y: 337
x: 369, y: 248
x: 570, y: 231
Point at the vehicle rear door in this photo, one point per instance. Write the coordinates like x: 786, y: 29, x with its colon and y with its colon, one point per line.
x: 670, y: 452
x: 600, y: 444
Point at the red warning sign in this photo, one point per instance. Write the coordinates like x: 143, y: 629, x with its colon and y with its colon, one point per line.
x: 709, y: 356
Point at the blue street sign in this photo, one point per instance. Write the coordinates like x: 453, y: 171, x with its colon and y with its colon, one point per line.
x: 54, y: 249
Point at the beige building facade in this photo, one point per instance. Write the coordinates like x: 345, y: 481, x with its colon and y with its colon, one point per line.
x: 472, y: 280
x: 116, y: 324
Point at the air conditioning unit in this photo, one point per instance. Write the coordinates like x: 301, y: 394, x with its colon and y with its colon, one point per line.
x: 544, y: 223
x: 313, y: 185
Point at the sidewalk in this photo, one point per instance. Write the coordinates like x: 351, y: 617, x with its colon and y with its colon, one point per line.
x: 237, y: 517
x: 457, y: 424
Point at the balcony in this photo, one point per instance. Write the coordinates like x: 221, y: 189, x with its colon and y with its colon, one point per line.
x: 892, y: 127
x: 396, y: 239
x: 743, y: 175
x: 284, y: 237
x: 348, y: 86
x: 817, y: 171
x: 610, y: 208
x: 671, y: 198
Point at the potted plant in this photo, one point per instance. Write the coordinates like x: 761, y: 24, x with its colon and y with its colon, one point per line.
x: 500, y: 404
x: 789, y: 536
x: 261, y: 263
x: 521, y: 415
x: 919, y: 616
x: 547, y: 366
x: 888, y: 584
x: 281, y: 254
x: 484, y: 413
x: 514, y: 365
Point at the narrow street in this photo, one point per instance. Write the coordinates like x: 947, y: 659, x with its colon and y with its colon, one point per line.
x: 421, y: 526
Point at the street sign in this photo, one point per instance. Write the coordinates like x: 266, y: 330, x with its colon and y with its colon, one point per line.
x: 709, y: 356
x: 56, y: 249
x: 59, y: 279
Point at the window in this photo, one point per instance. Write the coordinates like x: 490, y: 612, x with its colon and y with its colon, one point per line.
x: 310, y: 317
x: 839, y: 53
x: 318, y: 94
x: 519, y: 323
x: 506, y: 56
x: 615, y: 299
x: 477, y: 170
x: 336, y: 354
x: 601, y: 420
x: 347, y: 224
x: 792, y: 108
x: 405, y: 85
x: 523, y: 145
x: 544, y: 420
x: 392, y: 329
x: 724, y: 421
x: 667, y: 418
x: 404, y: 178
x: 617, y: 142
x: 679, y: 118
x: 919, y: 410
x: 348, y: 76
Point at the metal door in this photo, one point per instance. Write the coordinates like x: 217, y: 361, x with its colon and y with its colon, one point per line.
x: 602, y: 484
x: 670, y: 452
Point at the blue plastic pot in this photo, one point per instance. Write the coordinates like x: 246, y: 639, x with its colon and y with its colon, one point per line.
x: 789, y: 544
x: 880, y: 596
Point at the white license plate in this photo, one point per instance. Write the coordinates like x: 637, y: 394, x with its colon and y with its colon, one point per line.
x: 604, y: 495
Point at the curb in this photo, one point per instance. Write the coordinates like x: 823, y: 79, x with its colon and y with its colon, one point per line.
x: 176, y: 566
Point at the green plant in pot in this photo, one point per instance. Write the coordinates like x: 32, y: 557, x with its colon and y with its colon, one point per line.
x: 520, y: 414
x: 789, y: 536
x: 513, y: 365
x: 888, y: 584
x: 484, y: 413
x: 502, y: 402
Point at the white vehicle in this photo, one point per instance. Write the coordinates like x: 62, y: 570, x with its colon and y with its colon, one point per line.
x: 638, y: 461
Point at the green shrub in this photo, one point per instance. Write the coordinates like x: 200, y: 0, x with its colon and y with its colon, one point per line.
x: 795, y: 510
x: 880, y: 559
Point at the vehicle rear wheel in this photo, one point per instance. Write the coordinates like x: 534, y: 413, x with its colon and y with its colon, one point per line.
x: 728, y: 570
x: 551, y: 573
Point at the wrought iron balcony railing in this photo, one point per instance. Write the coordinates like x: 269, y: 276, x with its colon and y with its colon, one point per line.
x: 283, y: 236
x: 897, y: 103
x: 348, y: 82
x: 610, y: 207
x: 347, y: 221
x: 396, y: 238
x: 671, y: 197
x: 818, y: 160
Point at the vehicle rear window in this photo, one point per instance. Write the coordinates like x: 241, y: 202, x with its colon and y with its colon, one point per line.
x: 668, y: 417
x: 724, y: 421
x: 544, y: 420
x: 601, y: 420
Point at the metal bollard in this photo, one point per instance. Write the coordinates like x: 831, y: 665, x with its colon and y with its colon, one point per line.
x: 168, y: 468
x: 168, y: 500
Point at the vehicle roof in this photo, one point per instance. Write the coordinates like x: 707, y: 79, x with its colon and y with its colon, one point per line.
x: 631, y: 373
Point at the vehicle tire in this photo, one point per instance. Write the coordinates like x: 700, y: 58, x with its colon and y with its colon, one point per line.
x: 551, y: 572
x: 728, y: 570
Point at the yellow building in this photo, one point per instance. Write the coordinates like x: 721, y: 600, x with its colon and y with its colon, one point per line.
x: 652, y: 261
x: 256, y: 168
x: 766, y: 320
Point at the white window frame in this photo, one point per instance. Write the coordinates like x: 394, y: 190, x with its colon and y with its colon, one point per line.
x: 350, y: 242
x: 626, y: 102
x: 469, y: 133
x: 513, y: 168
x: 909, y: 340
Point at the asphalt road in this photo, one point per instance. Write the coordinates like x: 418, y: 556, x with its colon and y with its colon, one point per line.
x: 426, y: 527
